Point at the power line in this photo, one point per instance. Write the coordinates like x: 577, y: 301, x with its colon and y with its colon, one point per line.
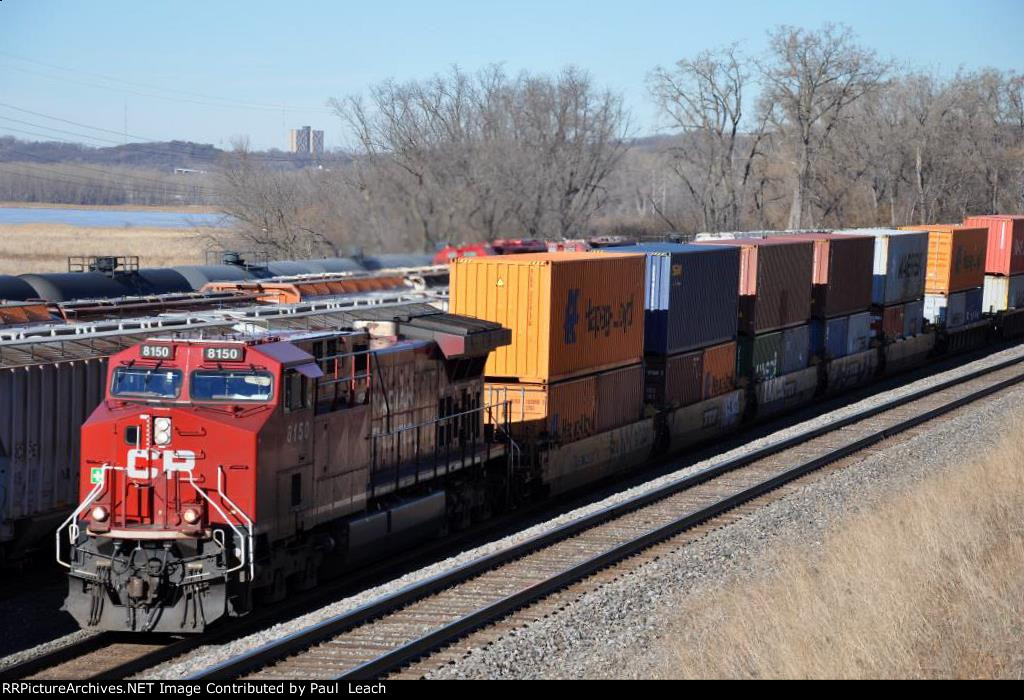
x: 191, y: 98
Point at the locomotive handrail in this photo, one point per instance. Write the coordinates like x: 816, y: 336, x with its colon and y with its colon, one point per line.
x: 71, y: 519
x: 246, y: 538
x: 435, y: 421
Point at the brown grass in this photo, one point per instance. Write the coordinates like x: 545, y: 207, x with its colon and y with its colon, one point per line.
x: 46, y: 247
x: 927, y: 584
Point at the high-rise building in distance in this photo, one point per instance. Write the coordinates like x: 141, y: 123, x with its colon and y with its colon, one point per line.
x: 316, y: 143
x: 299, y: 140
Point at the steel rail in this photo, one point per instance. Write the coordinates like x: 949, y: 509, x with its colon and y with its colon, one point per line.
x: 279, y: 649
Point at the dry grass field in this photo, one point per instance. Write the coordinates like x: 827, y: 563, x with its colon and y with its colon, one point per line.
x: 46, y: 247
x: 929, y: 584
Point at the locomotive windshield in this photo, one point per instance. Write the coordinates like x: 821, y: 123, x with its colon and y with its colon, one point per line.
x: 231, y: 385
x: 142, y: 382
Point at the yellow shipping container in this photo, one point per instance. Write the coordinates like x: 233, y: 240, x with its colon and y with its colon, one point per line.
x: 956, y: 257
x: 569, y: 313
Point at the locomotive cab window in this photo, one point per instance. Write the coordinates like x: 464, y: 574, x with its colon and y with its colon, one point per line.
x: 296, y: 392
x: 231, y: 385
x: 146, y: 383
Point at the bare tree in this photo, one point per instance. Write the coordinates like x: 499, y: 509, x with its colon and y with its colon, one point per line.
x: 487, y: 156
x: 810, y: 79
x: 703, y: 98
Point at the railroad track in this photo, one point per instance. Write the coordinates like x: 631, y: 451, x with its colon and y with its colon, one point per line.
x: 413, y: 624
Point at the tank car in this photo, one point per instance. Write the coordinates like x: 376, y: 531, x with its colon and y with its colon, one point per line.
x: 221, y: 470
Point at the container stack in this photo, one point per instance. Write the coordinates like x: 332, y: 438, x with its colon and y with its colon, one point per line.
x: 897, y: 281
x: 955, y: 274
x: 841, y: 322
x: 1004, y: 262
x: 690, y: 311
x: 774, y: 305
x: 574, y: 367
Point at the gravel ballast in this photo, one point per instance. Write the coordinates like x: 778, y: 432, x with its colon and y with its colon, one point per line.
x: 581, y: 639
x: 611, y: 631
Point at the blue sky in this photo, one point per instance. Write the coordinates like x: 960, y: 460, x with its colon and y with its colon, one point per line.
x: 209, y: 71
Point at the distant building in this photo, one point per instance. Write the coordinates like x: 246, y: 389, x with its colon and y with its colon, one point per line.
x: 316, y: 143
x: 299, y: 140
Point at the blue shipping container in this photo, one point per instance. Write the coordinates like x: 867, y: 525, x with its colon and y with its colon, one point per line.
x: 859, y: 333
x: 973, y: 305
x: 691, y: 297
x: 828, y: 338
x: 796, y: 346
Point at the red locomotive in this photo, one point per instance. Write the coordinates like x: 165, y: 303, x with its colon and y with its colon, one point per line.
x: 219, y: 469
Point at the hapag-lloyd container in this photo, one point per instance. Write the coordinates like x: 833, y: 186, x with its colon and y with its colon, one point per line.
x: 719, y: 370
x: 569, y: 313
x: 1002, y: 293
x: 842, y: 273
x: 1005, y: 251
x: 859, y: 333
x: 900, y: 262
x: 674, y: 380
x: 775, y: 282
x: 691, y: 295
x: 796, y: 349
x: 956, y: 258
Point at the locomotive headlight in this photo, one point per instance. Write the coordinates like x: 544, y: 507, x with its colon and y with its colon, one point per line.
x: 99, y: 514
x: 191, y: 515
x: 161, y: 430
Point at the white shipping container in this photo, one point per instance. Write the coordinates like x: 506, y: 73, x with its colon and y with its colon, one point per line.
x: 1002, y: 293
x: 943, y: 310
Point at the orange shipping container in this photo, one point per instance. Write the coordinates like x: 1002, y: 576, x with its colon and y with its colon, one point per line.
x: 620, y: 397
x: 956, y: 257
x: 719, y: 369
x: 569, y: 313
x: 561, y: 412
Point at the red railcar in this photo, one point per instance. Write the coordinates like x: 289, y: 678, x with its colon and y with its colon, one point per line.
x: 217, y: 469
x: 465, y: 250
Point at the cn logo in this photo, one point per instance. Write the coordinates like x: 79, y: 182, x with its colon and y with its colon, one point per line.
x: 173, y: 461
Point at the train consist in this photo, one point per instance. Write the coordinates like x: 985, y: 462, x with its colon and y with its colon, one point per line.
x: 109, y: 277
x: 230, y: 468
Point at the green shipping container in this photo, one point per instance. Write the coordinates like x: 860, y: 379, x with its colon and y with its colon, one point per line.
x: 759, y: 357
